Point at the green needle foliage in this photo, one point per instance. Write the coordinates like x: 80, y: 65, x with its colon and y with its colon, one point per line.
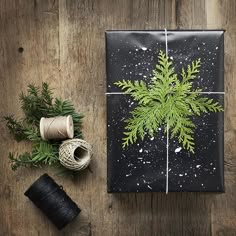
x: 167, y: 100
x: 37, y: 103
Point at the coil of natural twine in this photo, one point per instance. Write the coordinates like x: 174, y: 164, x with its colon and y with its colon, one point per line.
x: 59, y: 127
x: 75, y: 154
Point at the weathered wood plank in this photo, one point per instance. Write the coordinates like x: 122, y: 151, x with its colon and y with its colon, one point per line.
x: 63, y: 43
x: 221, y: 14
x: 33, y: 27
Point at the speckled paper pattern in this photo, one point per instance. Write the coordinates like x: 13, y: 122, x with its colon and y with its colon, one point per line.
x: 142, y: 167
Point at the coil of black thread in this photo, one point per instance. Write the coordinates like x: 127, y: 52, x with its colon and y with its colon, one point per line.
x: 53, y: 201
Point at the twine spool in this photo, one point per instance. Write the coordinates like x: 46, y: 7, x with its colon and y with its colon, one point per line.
x: 59, y: 127
x: 53, y: 201
x: 75, y: 154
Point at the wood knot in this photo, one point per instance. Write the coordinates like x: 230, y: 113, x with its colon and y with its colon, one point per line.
x: 20, y: 50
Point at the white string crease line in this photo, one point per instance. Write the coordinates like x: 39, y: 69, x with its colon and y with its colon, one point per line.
x: 166, y: 42
x: 167, y: 157
x: 122, y: 93
x: 119, y: 93
x: 167, y: 134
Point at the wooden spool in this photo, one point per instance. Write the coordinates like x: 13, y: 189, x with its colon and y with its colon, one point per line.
x: 59, y: 127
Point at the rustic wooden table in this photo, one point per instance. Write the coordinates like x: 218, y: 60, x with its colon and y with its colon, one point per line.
x: 62, y: 42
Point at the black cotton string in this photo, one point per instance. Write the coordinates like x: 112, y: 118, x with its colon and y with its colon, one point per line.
x: 53, y: 201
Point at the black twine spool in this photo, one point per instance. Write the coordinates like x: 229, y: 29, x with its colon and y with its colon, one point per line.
x: 53, y: 201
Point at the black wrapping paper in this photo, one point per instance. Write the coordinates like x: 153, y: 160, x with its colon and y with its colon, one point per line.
x: 132, y: 55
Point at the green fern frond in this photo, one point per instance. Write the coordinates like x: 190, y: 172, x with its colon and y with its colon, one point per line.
x: 166, y: 100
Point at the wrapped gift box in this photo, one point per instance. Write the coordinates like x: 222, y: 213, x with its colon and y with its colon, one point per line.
x: 132, y: 55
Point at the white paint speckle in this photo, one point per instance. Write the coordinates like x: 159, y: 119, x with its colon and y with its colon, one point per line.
x: 141, y: 150
x: 128, y: 175
x: 178, y: 149
x: 217, y: 48
x: 144, y: 48
x: 198, y: 166
x: 171, y: 58
x: 195, y: 175
x: 181, y: 175
x: 149, y: 186
x: 137, y: 184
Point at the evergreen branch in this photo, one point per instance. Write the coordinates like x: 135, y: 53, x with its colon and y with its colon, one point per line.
x: 37, y: 103
x: 138, y: 90
x: 44, y: 152
x: 16, y: 128
x: 22, y: 160
x: 192, y: 70
x: 138, y: 124
x: 166, y: 99
x: 46, y: 94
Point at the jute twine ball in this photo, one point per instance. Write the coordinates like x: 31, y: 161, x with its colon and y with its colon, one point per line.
x: 75, y: 154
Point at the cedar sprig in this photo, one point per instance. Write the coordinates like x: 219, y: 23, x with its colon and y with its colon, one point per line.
x: 167, y: 99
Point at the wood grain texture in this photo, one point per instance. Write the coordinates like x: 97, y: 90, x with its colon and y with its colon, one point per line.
x: 63, y: 44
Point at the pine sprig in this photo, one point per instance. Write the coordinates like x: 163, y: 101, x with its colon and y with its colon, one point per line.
x: 166, y: 100
x: 16, y: 127
x: 36, y: 103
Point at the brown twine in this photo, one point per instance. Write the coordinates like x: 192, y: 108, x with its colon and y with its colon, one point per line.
x: 75, y: 154
x: 59, y: 127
